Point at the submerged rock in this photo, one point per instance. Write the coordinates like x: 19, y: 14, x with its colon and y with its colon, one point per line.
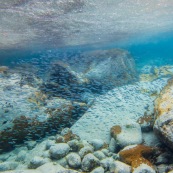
x: 135, y: 155
x: 163, y: 125
x: 93, y: 72
x: 125, y: 135
x: 60, y: 150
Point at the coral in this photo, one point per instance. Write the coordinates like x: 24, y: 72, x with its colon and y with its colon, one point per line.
x: 136, y: 155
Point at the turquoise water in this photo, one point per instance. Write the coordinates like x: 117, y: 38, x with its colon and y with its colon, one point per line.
x: 87, y: 85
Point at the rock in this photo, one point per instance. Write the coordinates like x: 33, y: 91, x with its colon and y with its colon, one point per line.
x: 89, y: 162
x: 134, y: 155
x: 49, y: 144
x: 125, y: 135
x: 150, y: 139
x: 65, y: 131
x: 164, y: 158
x: 37, y: 161
x: 59, y: 150
x: 113, y: 146
x: 21, y: 155
x: 23, y: 171
x: 85, y: 150
x: 164, y: 115
x: 106, y: 163
x: 144, y: 168
x: 106, y: 152
x: 6, y: 166
x: 97, y: 144
x: 3, y: 69
x: 63, y: 162
x: 120, y: 167
x: 99, y: 154
x: 73, y: 160
x: 98, y: 170
x: 75, y: 145
x: 165, y: 168
x: 51, y: 168
x: 31, y: 144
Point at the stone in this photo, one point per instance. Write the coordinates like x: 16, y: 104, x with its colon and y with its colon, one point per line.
x: 163, y: 126
x: 75, y: 145
x: 98, y: 170
x: 134, y: 155
x: 23, y: 171
x: 144, y: 168
x: 164, y: 158
x: 74, y: 160
x: 65, y: 131
x: 49, y: 144
x: 21, y: 155
x: 51, y: 168
x: 37, y: 161
x: 63, y: 162
x: 6, y: 166
x: 31, y: 144
x: 85, y: 150
x: 97, y: 144
x: 59, y: 150
x: 99, y: 154
x: 113, y: 146
x: 89, y: 162
x: 120, y: 167
x: 128, y: 134
x: 105, y: 151
x: 106, y: 163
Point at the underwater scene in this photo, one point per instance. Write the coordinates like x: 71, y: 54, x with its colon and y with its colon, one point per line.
x: 86, y: 86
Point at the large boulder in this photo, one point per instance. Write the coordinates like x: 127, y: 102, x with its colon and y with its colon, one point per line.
x: 27, y: 113
x: 92, y: 71
x: 163, y: 126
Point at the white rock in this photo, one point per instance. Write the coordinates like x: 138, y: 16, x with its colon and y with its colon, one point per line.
x: 98, y: 170
x: 49, y: 143
x: 85, y: 150
x: 99, y: 154
x: 59, y: 150
x: 130, y: 134
x: 21, y: 155
x: 113, y: 145
x: 23, y: 171
x: 51, y: 168
x: 120, y: 167
x: 106, y: 163
x: 89, y: 162
x: 144, y: 168
x: 37, y: 161
x: 97, y: 144
x: 73, y: 160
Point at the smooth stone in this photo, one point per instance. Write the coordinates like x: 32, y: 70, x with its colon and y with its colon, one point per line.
x: 37, y: 161
x: 89, y: 162
x: 120, y: 167
x: 129, y: 134
x: 31, y: 144
x: 98, y: 170
x: 106, y: 152
x: 75, y: 145
x: 21, y: 155
x: 59, y: 150
x: 144, y: 168
x: 49, y: 143
x: 99, y: 154
x: 6, y: 166
x: 23, y: 171
x: 85, y: 151
x: 73, y: 160
x: 113, y: 145
x: 63, y: 162
x: 51, y: 168
x: 106, y: 163
x: 97, y: 144
x: 66, y: 131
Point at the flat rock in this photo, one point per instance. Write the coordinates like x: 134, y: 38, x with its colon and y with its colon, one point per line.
x: 117, y: 107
